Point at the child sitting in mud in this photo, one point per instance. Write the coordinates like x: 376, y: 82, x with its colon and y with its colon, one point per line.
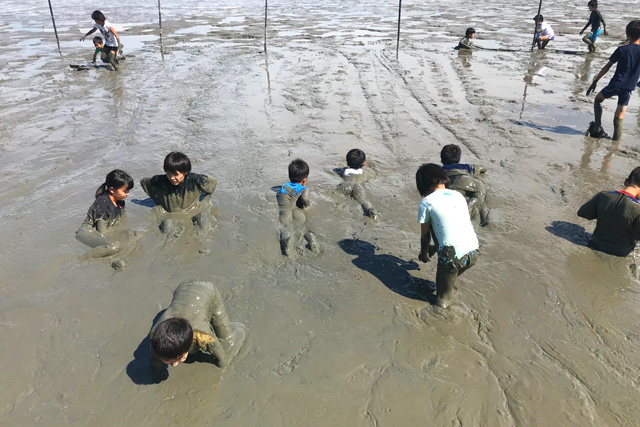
x: 353, y: 179
x: 617, y: 215
x: 544, y: 33
x: 195, y: 322
x: 292, y: 198
x: 112, y: 40
x: 465, y: 179
x: 622, y: 83
x: 179, y: 190
x: 594, y: 20
x: 105, y: 213
x: 465, y: 42
x: 443, y: 212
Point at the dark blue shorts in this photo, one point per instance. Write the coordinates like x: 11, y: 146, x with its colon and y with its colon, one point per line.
x: 623, y: 95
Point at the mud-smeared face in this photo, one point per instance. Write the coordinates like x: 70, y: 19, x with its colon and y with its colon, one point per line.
x: 177, y: 361
x: 176, y: 178
x: 97, y: 45
x: 120, y: 193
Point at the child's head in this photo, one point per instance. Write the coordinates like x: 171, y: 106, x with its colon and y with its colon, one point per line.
x: 634, y: 178
x: 538, y: 18
x: 356, y: 158
x: 633, y: 31
x: 172, y: 340
x: 429, y: 177
x: 97, y: 42
x: 593, y: 5
x: 98, y: 17
x: 177, y: 166
x: 298, y: 171
x: 471, y: 32
x: 117, y: 184
x: 450, y: 154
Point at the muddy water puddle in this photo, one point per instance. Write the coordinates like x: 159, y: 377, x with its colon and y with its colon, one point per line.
x: 543, y: 330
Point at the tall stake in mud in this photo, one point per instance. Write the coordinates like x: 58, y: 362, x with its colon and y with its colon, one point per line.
x: 399, y: 14
x: 265, y: 25
x: 55, y: 30
x: 535, y: 28
x: 160, y: 22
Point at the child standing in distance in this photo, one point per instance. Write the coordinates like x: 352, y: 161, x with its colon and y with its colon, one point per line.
x: 112, y: 41
x: 622, y: 83
x: 465, y: 42
x: 196, y: 321
x: 544, y: 33
x: 594, y: 20
x: 180, y: 190
x: 105, y: 213
x: 444, y: 213
x: 353, y: 179
x: 464, y: 178
x: 292, y: 198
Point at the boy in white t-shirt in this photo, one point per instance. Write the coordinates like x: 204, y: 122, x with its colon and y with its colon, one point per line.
x: 444, y: 214
x: 111, y: 40
x: 544, y: 33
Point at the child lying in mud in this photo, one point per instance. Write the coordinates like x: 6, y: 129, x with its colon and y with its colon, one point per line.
x: 105, y: 213
x: 292, y: 198
x: 617, y: 215
x: 353, y: 179
x: 444, y: 213
x: 465, y: 179
x: 196, y: 321
x: 180, y: 190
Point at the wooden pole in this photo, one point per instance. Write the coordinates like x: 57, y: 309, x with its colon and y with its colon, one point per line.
x: 399, y: 15
x: 55, y: 30
x: 265, y: 25
x: 160, y: 22
x: 535, y: 28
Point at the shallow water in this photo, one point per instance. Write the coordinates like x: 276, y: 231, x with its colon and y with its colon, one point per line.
x: 543, y: 331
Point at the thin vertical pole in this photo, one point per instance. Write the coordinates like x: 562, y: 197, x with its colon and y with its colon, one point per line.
x: 160, y: 22
x: 535, y: 28
x: 399, y: 15
x: 55, y: 30
x: 265, y: 25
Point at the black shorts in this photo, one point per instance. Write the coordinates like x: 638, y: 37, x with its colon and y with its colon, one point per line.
x: 623, y: 95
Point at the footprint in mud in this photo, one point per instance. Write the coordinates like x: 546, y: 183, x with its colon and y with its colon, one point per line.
x: 289, y: 366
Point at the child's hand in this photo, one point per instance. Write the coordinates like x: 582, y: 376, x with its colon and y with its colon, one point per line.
x: 581, y: 32
x: 424, y: 257
x: 82, y: 38
x: 606, y: 33
x: 591, y: 88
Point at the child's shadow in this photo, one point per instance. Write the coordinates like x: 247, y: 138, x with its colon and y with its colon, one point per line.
x: 144, y: 202
x: 139, y: 369
x: 571, y: 232
x: 392, y: 271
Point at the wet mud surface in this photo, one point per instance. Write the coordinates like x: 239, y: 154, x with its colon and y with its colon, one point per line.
x: 543, y: 331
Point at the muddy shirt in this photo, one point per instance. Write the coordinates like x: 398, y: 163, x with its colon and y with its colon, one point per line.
x: 595, y: 19
x: 465, y: 43
x: 628, y: 69
x: 196, y: 302
x: 176, y: 198
x: 293, y: 194
x: 618, y: 222
x: 461, y: 175
x: 355, y: 176
x: 103, y: 209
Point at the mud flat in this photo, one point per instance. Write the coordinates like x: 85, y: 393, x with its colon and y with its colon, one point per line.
x: 544, y: 331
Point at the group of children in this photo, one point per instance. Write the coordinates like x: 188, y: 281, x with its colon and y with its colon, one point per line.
x: 110, y: 49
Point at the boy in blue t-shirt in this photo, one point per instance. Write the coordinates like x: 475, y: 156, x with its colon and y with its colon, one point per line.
x: 624, y: 81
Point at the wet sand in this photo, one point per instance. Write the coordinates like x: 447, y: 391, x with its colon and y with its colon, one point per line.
x: 543, y: 330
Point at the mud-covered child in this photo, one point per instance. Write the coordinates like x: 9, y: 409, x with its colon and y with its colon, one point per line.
x: 180, y: 190
x: 353, y: 179
x: 622, y: 83
x: 617, y: 215
x: 195, y: 322
x: 443, y: 213
x: 466, y: 43
x: 465, y: 179
x: 292, y: 198
x: 109, y: 51
x: 595, y: 19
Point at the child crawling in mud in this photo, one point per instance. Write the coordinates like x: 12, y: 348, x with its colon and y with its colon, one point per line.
x: 105, y: 213
x: 354, y: 177
x: 180, y: 190
x: 292, y: 198
x: 195, y: 322
x: 622, y: 83
x: 444, y: 214
x: 617, y: 215
x: 464, y: 178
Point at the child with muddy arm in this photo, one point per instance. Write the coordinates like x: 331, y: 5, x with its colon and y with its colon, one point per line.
x: 354, y: 176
